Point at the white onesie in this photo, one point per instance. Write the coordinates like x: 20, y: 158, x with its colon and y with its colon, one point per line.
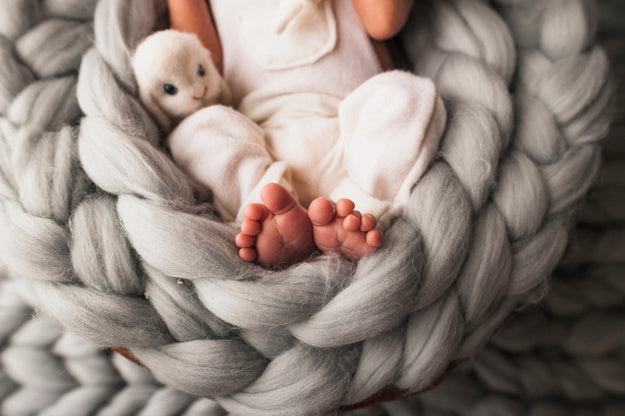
x: 343, y: 129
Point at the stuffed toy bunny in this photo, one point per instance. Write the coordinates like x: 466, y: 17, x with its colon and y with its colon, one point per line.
x: 176, y: 76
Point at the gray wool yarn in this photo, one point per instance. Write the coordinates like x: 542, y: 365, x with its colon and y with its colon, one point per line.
x: 106, y: 229
x: 47, y: 371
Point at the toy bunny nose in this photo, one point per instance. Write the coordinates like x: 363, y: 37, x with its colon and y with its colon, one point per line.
x: 197, y: 96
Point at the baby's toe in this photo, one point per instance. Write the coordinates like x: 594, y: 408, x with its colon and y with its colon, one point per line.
x: 251, y: 228
x: 255, y: 212
x: 277, y: 198
x: 344, y: 207
x: 374, y: 238
x: 247, y: 254
x: 243, y: 240
x: 320, y: 211
x: 368, y: 223
x: 352, y: 222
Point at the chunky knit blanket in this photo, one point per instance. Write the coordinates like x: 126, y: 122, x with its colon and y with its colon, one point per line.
x: 105, y: 232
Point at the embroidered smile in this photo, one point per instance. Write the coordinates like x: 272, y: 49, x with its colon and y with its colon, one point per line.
x: 203, y: 94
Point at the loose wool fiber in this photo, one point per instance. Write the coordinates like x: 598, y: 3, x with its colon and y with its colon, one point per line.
x: 106, y: 231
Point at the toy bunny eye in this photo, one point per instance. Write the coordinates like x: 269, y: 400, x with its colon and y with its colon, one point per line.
x: 170, y: 89
x: 200, y: 70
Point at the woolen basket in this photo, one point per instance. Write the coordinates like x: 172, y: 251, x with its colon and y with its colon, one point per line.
x: 107, y: 231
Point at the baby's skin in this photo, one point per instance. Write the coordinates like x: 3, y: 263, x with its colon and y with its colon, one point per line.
x: 280, y: 232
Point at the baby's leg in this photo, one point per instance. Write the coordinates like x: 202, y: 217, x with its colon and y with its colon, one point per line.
x: 342, y: 229
x: 280, y: 232
x: 224, y: 151
x: 391, y: 127
x: 277, y: 232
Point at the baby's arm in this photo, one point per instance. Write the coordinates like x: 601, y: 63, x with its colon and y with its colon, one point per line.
x: 193, y: 16
x: 383, y: 19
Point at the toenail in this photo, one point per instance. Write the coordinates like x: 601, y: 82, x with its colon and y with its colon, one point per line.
x: 250, y: 228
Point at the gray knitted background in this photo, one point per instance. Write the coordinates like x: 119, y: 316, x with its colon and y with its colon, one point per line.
x: 216, y: 333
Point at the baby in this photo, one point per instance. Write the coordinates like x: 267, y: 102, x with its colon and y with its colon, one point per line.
x: 306, y: 72
x: 176, y: 79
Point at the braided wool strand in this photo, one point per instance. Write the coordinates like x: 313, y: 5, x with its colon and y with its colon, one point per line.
x: 47, y: 371
x: 104, y: 224
x: 555, y: 358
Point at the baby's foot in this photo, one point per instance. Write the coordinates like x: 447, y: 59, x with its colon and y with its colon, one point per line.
x: 343, y: 229
x: 278, y: 233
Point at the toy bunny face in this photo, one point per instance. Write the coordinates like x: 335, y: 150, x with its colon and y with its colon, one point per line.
x: 176, y: 76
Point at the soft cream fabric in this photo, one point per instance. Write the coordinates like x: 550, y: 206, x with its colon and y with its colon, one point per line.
x: 224, y: 151
x: 172, y: 57
x: 390, y: 128
x: 370, y: 147
x: 350, y: 62
x: 305, y: 32
x: 369, y: 141
x: 290, y: 11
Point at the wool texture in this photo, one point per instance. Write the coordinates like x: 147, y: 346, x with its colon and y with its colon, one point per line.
x: 105, y: 229
x: 560, y: 357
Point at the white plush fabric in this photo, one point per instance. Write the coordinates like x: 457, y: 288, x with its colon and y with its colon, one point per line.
x: 337, y: 70
x: 288, y: 33
x: 371, y: 147
x: 226, y: 153
x: 290, y: 12
x: 174, y: 58
x: 365, y: 148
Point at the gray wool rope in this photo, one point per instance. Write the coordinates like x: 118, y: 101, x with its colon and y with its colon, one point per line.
x: 577, y: 326
x: 559, y: 357
x: 47, y: 371
x: 556, y: 358
x: 103, y: 224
